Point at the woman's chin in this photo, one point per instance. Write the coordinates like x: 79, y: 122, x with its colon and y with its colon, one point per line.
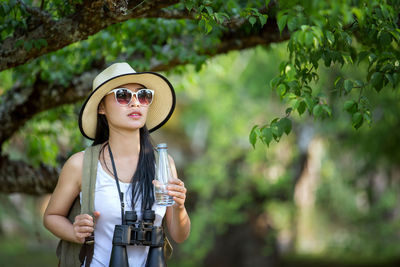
x: 134, y: 125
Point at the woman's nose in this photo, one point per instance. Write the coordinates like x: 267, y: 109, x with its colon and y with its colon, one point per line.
x: 135, y: 102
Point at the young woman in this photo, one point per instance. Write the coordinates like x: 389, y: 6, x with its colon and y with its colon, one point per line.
x: 122, y: 109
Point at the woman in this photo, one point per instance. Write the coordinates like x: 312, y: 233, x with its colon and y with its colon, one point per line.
x: 122, y: 109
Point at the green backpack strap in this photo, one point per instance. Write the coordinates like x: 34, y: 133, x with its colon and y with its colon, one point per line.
x: 68, y: 252
x: 89, y: 173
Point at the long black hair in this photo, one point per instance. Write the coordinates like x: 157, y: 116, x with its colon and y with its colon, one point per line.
x: 145, y: 171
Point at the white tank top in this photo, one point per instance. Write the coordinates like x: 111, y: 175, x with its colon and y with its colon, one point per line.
x: 108, y: 204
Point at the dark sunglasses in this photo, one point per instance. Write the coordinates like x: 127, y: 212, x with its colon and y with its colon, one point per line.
x: 124, y: 96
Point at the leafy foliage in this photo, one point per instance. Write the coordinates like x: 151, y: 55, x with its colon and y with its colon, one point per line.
x: 342, y: 33
x: 342, y: 49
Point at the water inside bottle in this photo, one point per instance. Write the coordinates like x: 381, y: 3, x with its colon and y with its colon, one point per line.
x: 162, y: 197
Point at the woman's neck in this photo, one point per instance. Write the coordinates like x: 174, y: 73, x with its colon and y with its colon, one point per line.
x: 125, y: 145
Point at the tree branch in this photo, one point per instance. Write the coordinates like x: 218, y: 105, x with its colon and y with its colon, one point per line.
x: 21, y: 103
x: 20, y: 177
x: 89, y: 19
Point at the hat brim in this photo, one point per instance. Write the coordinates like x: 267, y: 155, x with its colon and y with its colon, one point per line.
x: 160, y: 109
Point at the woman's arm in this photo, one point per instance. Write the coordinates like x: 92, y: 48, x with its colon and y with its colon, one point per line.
x: 178, y: 221
x: 67, y: 189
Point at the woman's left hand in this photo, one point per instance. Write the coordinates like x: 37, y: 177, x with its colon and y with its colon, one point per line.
x: 177, y: 189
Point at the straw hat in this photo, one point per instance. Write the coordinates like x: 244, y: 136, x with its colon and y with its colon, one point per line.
x: 119, y: 74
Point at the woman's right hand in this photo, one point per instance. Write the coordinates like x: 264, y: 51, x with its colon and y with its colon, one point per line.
x: 84, y: 226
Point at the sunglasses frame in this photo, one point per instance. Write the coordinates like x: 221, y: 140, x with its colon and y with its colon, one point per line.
x: 133, y: 94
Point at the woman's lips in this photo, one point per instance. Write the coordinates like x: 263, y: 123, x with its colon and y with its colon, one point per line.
x: 135, y: 114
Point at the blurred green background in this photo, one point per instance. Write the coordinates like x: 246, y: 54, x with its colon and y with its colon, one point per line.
x: 326, y: 195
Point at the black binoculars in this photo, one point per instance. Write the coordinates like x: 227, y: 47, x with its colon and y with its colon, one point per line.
x: 140, y: 233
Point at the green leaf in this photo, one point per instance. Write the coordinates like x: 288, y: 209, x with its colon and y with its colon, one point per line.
x: 348, y: 85
x: 330, y: 37
x: 384, y: 38
x: 347, y: 38
x: 359, y: 83
x: 362, y: 55
x: 286, y: 125
x: 309, y: 38
x: 202, y: 23
x: 302, y: 107
x: 292, y: 23
x: 266, y: 135
x: 359, y: 14
x: 253, y: 136
x: 208, y: 28
x: 277, y: 131
x: 209, y: 10
x: 357, y: 120
x: 395, y: 79
x: 274, y: 82
x: 367, y: 118
x: 390, y: 79
x: 377, y: 81
x: 327, y: 59
x: 309, y: 102
x: 282, y: 67
x: 219, y: 17
x: 317, y: 111
x: 252, y: 20
x: 281, y: 89
x: 282, y: 22
x: 371, y: 58
x: 274, y: 121
x: 189, y: 5
x: 263, y: 19
x: 327, y: 109
x: 338, y: 81
x: 349, y: 104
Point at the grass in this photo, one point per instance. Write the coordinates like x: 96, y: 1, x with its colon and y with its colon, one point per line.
x: 18, y: 253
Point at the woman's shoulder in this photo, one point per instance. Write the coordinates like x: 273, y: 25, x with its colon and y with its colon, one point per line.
x: 71, y: 172
x: 75, y: 162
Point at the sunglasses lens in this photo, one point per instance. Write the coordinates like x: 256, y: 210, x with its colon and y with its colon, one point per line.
x: 145, y: 96
x: 123, y: 96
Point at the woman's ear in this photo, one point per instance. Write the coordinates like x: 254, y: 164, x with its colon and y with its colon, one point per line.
x: 101, y: 109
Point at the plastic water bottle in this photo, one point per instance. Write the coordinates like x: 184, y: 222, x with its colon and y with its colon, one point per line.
x: 163, y: 176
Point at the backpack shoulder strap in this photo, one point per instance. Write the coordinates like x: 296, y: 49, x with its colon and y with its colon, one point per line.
x: 69, y: 253
x: 89, y: 173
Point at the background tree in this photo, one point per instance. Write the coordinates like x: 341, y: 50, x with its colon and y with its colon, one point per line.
x: 336, y: 54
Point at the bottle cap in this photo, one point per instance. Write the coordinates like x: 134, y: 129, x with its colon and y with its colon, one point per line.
x: 162, y: 145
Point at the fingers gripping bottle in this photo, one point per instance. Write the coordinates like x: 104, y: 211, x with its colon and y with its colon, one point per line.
x: 163, y: 176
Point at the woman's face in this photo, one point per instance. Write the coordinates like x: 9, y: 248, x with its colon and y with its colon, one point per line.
x: 124, y: 117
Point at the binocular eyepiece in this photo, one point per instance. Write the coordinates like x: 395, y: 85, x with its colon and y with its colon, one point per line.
x: 139, y: 233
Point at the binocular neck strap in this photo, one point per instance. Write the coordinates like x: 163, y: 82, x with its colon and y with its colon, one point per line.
x: 121, y: 195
